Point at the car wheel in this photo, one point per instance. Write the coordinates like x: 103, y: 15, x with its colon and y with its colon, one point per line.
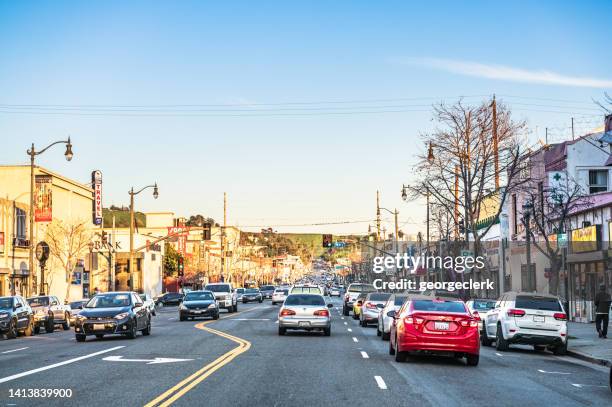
x: 99, y: 336
x: 80, y: 338
x: 12, y: 330
x: 282, y: 331
x: 154, y: 313
x: 472, y: 360
x: 484, y: 339
x: 560, y: 350
x: 216, y: 316
x: 50, y: 325
x: 36, y: 330
x: 147, y: 330
x: 132, y: 333
x: 66, y: 324
x: 391, y: 349
x: 29, y: 331
x: 378, y: 333
x: 236, y: 307
x: 399, y: 356
x: 500, y: 342
x: 182, y: 318
x: 260, y: 301
x: 327, y: 331
x: 384, y: 335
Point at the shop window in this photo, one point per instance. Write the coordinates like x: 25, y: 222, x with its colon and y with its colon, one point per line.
x: 20, y: 223
x: 528, y: 280
x: 598, y: 181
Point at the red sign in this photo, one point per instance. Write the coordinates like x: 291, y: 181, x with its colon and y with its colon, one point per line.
x: 43, y: 199
x: 174, y: 230
x: 1, y: 242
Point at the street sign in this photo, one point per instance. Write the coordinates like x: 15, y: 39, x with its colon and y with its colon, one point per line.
x: 562, y: 240
x: 339, y: 244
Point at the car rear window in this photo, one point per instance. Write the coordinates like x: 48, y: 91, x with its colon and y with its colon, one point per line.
x: 306, y: 290
x: 361, y: 288
x: 284, y: 291
x: 441, y: 306
x: 6, y: 302
x: 267, y: 287
x: 483, y: 305
x: 535, y: 302
x: 304, y: 299
x: 379, y: 297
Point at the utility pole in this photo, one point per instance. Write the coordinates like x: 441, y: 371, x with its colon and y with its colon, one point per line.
x: 377, y: 216
x: 395, y: 213
x: 572, y: 128
x: 456, y: 202
x: 427, y: 227
x: 223, y: 236
x: 495, y: 144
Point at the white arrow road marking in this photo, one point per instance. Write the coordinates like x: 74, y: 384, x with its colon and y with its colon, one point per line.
x: 544, y: 371
x: 65, y: 362
x: 364, y: 355
x: 15, y: 350
x: 586, y: 385
x: 341, y: 317
x: 355, y: 339
x: 147, y: 361
x: 380, y: 382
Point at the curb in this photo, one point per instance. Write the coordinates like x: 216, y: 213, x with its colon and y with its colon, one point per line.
x: 589, y: 358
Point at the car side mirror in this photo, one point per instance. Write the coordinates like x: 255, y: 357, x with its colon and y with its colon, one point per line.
x: 138, y: 304
x: 381, y: 306
x: 54, y: 303
x: 18, y: 305
x: 391, y: 314
x: 330, y: 305
x: 476, y: 315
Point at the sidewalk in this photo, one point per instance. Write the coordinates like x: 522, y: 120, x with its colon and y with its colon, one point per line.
x: 585, y: 344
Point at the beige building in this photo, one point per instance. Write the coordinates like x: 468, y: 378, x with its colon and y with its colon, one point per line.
x: 68, y: 204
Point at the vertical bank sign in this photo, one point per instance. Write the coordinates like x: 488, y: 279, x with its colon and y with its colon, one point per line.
x: 96, y: 182
x: 43, y: 199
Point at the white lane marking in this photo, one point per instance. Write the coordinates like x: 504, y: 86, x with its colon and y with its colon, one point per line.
x: 276, y: 322
x: 65, y: 362
x: 154, y: 361
x: 498, y: 354
x: 341, y: 317
x: 364, y: 355
x: 349, y: 329
x: 345, y: 323
x: 544, y: 371
x: 354, y: 340
x: 171, y: 319
x: 15, y: 350
x: 587, y: 385
x: 380, y: 382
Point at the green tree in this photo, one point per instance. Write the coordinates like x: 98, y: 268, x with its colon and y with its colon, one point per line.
x: 171, y: 261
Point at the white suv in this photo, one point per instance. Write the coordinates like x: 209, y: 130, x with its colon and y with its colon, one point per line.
x: 352, y: 292
x: 526, y: 318
x: 225, y: 295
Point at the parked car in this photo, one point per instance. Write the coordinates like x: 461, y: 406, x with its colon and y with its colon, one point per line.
x: 385, y: 316
x: 113, y: 313
x: 434, y: 326
x: 225, y: 295
x: 267, y: 291
x: 48, y: 311
x: 480, y: 308
x: 372, y: 304
x: 75, y: 308
x: 358, y: 304
x: 305, y: 311
x: 251, y: 295
x: 171, y: 299
x: 280, y: 295
x: 16, y: 317
x: 198, y: 304
x: 527, y: 318
x: 239, y: 292
x: 148, y: 302
x: 351, y: 294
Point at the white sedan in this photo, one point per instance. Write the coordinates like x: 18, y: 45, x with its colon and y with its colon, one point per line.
x: 279, y: 295
x: 148, y: 303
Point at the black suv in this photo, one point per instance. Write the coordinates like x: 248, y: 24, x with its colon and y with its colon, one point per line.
x: 267, y: 291
x: 15, y: 317
x: 171, y: 299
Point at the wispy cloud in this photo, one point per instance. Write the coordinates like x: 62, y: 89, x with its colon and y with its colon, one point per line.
x: 508, y: 73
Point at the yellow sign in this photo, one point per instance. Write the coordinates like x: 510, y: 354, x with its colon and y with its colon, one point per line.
x: 585, y: 239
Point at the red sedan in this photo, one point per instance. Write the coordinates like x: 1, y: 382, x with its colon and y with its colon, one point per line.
x: 436, y: 326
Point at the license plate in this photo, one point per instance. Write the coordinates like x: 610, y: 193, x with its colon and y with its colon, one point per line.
x: 538, y: 318
x: 441, y: 326
x: 197, y: 312
x: 304, y: 323
x: 98, y: 327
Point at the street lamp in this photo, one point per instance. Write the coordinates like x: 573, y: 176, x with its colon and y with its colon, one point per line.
x: 33, y: 153
x: 527, y: 208
x: 131, y: 263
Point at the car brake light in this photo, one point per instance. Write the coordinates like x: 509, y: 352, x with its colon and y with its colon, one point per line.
x: 560, y: 316
x: 370, y: 305
x: 516, y: 312
x: 322, y: 313
x: 286, y: 312
x: 413, y: 321
x: 471, y: 323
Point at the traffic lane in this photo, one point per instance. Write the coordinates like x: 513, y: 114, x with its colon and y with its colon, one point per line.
x: 299, y: 368
x: 131, y: 380
x: 541, y: 377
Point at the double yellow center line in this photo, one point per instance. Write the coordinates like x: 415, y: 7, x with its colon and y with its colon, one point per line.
x: 177, y: 391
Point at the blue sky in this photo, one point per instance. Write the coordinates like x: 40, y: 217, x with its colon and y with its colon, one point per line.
x: 286, y: 163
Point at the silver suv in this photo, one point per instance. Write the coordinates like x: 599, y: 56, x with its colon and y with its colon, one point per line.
x: 526, y: 318
x: 225, y: 295
x: 48, y: 312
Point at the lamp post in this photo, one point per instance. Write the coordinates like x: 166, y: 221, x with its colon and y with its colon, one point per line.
x: 527, y: 208
x: 33, y: 153
x: 131, y: 263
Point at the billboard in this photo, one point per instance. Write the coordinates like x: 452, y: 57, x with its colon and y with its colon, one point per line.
x: 43, y: 199
x: 96, y: 182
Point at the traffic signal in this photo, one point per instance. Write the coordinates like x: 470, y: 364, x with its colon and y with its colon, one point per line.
x: 181, y: 266
x: 206, y: 231
x: 328, y: 241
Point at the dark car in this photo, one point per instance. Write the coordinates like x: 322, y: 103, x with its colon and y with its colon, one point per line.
x: 252, y: 295
x: 15, y: 317
x: 198, y: 304
x: 121, y: 313
x: 171, y: 299
x: 267, y: 290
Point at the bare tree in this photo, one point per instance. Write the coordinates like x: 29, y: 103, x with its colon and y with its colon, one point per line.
x: 67, y: 243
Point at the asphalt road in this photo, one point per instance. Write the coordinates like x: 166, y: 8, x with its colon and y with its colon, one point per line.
x: 241, y: 361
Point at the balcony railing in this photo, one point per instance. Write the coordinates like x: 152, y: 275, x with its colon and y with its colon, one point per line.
x: 21, y: 243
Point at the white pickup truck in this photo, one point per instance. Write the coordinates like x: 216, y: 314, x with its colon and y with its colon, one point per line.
x: 225, y: 295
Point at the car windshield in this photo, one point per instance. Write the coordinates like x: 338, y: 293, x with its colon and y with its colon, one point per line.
x: 38, y: 301
x: 481, y: 305
x: 199, y: 296
x: 240, y: 290
x: 109, y: 301
x: 218, y: 288
x: 304, y: 299
x: 361, y: 288
x: 251, y: 291
x: 6, y: 303
x: 399, y: 300
x: 77, y: 304
x: 379, y: 297
x: 143, y: 297
x: 441, y: 306
x: 535, y: 302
